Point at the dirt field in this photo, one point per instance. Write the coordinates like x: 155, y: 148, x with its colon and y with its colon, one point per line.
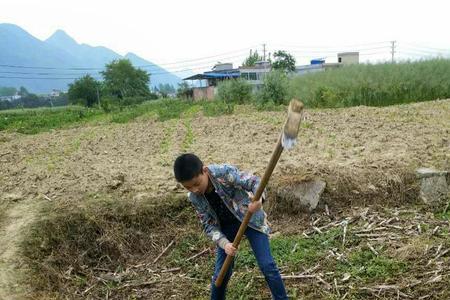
x: 360, y: 152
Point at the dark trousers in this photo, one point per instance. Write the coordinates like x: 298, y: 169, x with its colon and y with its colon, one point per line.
x: 261, y: 248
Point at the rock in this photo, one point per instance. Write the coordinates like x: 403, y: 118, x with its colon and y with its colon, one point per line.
x: 433, y: 186
x: 429, y: 172
x: 301, y: 196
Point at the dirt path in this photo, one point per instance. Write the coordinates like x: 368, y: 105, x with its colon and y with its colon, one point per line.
x: 15, y: 220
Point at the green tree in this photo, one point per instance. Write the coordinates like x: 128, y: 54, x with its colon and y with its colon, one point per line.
x: 252, y: 59
x: 122, y: 79
x: 283, y: 61
x: 275, y: 88
x: 23, y: 92
x: 7, y: 91
x: 5, y: 104
x: 84, y: 91
x: 234, y: 91
x: 165, y: 89
x: 184, y: 90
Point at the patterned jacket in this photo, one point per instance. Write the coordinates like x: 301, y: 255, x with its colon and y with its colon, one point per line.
x: 235, y: 188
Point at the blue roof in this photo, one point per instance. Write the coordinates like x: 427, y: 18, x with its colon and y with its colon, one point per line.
x: 214, y: 75
x: 223, y: 75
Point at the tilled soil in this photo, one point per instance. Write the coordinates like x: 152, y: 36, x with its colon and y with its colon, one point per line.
x: 66, y: 164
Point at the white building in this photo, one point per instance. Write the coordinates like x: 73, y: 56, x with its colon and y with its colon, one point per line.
x: 347, y: 58
x: 255, y: 74
x: 55, y: 93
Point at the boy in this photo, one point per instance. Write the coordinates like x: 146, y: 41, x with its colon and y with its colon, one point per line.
x: 221, y: 195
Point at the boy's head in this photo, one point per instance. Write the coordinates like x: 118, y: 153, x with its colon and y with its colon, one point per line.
x: 191, y: 173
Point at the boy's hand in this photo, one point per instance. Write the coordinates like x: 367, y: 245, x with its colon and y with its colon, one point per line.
x: 255, y: 206
x: 230, y: 250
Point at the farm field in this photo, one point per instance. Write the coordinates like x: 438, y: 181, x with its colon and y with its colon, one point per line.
x: 86, y: 211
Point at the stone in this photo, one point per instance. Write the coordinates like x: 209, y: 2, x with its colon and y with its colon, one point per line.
x: 433, y: 186
x: 302, y: 196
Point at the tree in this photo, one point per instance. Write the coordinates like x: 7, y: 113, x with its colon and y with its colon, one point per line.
x: 23, y: 92
x: 283, y: 61
x: 7, y: 91
x: 234, y: 91
x: 252, y: 59
x: 184, y: 90
x: 275, y: 88
x: 84, y: 91
x: 165, y: 89
x: 5, y: 104
x: 123, y: 80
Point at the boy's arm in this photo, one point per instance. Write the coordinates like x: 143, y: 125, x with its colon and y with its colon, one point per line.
x: 211, y: 229
x: 247, y: 181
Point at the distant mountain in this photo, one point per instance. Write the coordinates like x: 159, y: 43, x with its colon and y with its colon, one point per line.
x: 25, y: 60
x: 94, y: 57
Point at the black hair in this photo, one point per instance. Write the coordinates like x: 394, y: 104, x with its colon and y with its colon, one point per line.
x: 187, y: 166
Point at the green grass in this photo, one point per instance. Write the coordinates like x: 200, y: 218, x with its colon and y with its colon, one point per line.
x: 31, y: 121
x: 293, y: 253
x: 189, y: 138
x: 445, y: 215
x: 165, y: 143
x: 375, y: 85
x: 217, y: 108
x: 365, y: 266
x: 297, y: 252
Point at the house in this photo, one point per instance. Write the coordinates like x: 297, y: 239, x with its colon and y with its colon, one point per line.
x: 255, y: 74
x: 220, y: 72
x: 319, y: 64
x: 16, y: 96
x: 347, y: 58
x: 55, y: 93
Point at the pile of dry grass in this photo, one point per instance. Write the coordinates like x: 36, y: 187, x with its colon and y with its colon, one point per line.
x: 69, y: 242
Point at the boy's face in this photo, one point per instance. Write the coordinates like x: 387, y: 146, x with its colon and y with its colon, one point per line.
x: 199, y: 184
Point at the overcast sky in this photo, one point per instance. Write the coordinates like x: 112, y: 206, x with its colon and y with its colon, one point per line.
x: 170, y: 31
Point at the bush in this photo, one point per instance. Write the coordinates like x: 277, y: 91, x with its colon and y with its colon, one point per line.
x: 275, y: 88
x: 217, y: 108
x: 234, y: 91
x: 170, y: 108
x: 109, y: 103
x: 127, y: 101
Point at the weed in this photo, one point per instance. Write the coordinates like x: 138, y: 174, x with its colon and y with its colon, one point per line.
x: 189, y: 138
x: 365, y: 266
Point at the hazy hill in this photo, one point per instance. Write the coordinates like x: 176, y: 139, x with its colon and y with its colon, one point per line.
x: 41, y: 66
